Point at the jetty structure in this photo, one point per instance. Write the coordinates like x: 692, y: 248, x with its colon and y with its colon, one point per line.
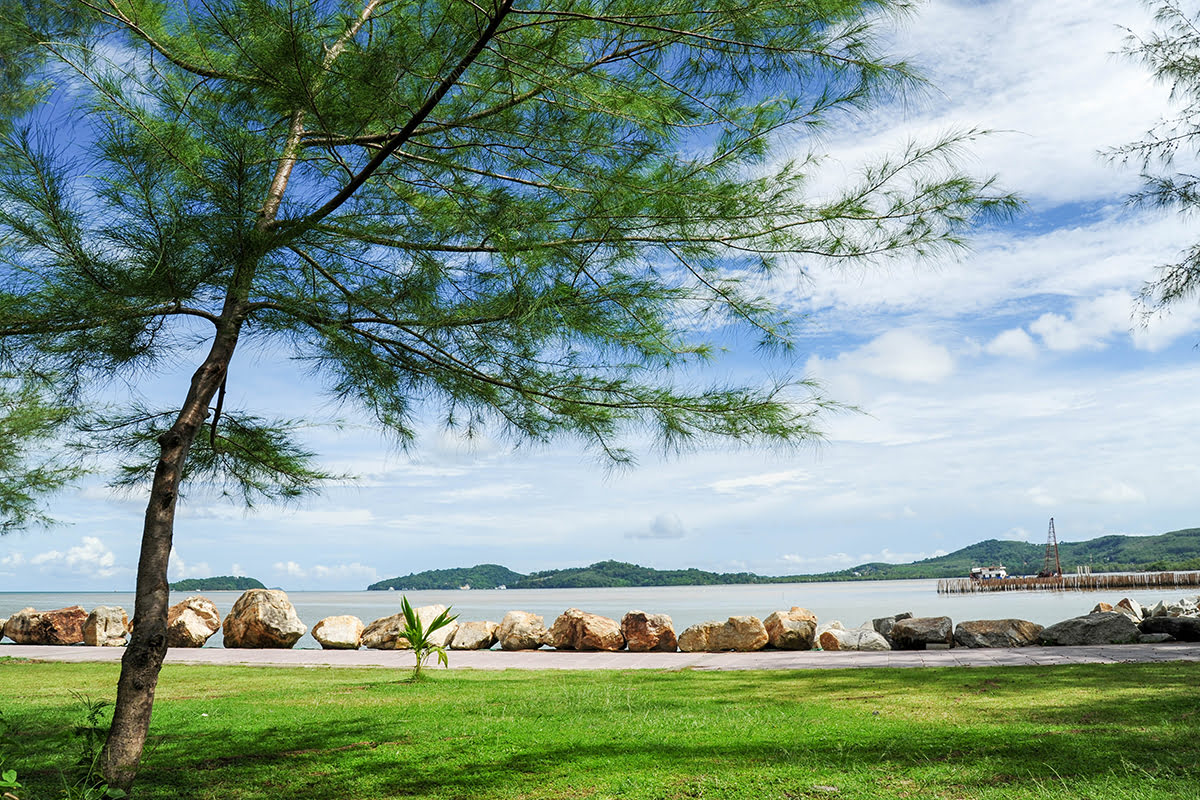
x: 1051, y: 578
x: 1084, y: 580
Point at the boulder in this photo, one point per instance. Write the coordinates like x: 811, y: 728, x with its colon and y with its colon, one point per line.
x: 917, y: 633
x: 832, y: 625
x: 520, y: 630
x: 1103, y: 628
x: 192, y: 622
x: 853, y: 639
x: 57, y: 627
x: 3, y: 622
x: 342, y: 632
x: 696, y: 638
x: 646, y: 633
x: 474, y: 636
x: 579, y: 630
x: 106, y: 626
x: 1130, y: 608
x: 1159, y: 609
x: 884, y: 625
x: 1185, y: 629
x: 263, y: 618
x: 384, y: 633
x: 791, y: 630
x: 1155, y: 638
x: 996, y: 633
x: 741, y: 633
x: 1102, y: 608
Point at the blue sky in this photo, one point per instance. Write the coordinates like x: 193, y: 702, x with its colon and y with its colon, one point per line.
x: 1003, y: 387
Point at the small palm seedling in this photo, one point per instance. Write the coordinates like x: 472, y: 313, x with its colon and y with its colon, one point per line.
x: 418, y: 635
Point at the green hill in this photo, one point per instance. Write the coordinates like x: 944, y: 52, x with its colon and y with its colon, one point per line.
x: 1177, y: 550
x: 222, y: 583
x: 480, y: 576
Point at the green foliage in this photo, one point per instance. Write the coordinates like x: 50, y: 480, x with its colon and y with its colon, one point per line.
x: 30, y: 418
x: 1176, y: 550
x: 221, y: 583
x: 1171, y: 53
x: 480, y: 576
x: 526, y: 218
x: 418, y: 636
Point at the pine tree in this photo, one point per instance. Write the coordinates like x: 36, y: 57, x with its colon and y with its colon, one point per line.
x: 1172, y: 54
x: 524, y: 217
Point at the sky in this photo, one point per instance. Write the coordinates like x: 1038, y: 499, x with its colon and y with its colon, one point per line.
x: 996, y: 389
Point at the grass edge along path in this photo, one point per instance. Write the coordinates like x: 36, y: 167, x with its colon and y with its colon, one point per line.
x: 1120, y: 731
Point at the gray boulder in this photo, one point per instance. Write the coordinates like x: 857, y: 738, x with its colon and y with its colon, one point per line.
x: 1185, y: 629
x: 883, y: 625
x: 917, y: 633
x: 853, y: 639
x: 996, y: 633
x: 1105, y: 628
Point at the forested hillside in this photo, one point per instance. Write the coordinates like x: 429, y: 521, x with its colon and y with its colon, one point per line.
x: 1177, y: 550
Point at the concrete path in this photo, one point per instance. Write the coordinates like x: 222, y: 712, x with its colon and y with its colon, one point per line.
x: 565, y: 659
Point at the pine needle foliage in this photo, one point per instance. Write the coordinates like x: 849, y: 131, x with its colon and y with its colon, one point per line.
x: 1167, y: 155
x: 520, y: 214
x: 537, y: 218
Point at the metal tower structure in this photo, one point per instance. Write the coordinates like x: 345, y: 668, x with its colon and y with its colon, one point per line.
x: 1051, y: 567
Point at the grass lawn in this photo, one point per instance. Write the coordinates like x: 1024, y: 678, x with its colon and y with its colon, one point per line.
x: 1120, y: 731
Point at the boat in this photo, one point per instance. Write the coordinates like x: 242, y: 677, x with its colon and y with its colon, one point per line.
x: 988, y: 573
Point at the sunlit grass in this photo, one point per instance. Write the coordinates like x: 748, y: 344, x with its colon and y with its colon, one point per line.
x: 1093, y: 731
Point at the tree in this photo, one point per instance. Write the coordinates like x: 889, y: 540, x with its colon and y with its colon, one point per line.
x: 29, y: 417
x: 1172, y: 54
x: 520, y: 216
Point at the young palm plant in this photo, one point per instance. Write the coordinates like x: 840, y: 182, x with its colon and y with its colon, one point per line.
x: 420, y: 636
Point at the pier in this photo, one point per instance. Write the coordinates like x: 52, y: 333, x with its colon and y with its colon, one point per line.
x: 1066, y: 583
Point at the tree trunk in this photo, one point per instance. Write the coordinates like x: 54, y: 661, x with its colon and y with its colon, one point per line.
x: 148, y: 644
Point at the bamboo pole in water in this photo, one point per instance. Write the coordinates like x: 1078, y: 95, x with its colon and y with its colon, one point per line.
x: 1136, y: 580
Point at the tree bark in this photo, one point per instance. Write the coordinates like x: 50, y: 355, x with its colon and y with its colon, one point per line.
x: 147, y: 647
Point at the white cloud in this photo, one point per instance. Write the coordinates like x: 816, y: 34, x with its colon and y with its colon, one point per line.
x: 180, y: 569
x: 337, y: 574
x: 491, y: 491
x: 1013, y: 343
x: 90, y: 559
x: 771, y: 480
x: 664, y: 526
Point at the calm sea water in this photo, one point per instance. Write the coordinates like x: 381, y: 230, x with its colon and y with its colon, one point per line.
x: 851, y: 603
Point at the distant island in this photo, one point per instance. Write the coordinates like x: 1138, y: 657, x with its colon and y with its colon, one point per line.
x: 221, y: 583
x: 1177, y: 550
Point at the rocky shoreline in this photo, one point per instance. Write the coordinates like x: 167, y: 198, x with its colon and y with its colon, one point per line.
x: 265, y: 618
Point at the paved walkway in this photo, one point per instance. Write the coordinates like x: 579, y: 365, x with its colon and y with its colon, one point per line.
x: 565, y: 659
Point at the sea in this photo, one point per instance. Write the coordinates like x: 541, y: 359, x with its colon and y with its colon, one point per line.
x: 851, y: 603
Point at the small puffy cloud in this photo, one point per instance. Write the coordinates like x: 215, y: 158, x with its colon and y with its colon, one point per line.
x: 1014, y: 343
x: 1091, y: 324
x: 899, y: 355
x: 180, y: 569
x: 664, y: 526
x: 90, y: 558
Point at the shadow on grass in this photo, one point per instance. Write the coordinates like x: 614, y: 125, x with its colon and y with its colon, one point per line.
x: 517, y: 735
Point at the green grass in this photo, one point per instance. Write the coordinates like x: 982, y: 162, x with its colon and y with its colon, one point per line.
x: 1120, y: 731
